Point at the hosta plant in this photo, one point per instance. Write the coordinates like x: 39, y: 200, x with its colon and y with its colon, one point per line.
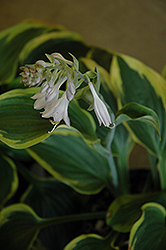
x: 71, y: 114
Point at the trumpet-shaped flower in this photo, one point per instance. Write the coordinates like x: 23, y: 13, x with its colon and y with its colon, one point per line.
x: 48, y: 98
x: 100, y: 108
x: 58, y: 110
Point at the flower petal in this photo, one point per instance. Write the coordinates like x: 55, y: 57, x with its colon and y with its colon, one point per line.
x: 58, y: 110
x: 40, y: 102
x: 100, y: 108
x: 70, y: 91
x: 54, y: 92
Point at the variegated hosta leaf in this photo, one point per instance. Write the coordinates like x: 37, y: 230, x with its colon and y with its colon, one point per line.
x: 20, y: 125
x: 8, y: 179
x: 12, y: 41
x: 149, y: 232
x: 19, y: 227
x: 61, y: 41
x: 67, y: 156
x: 121, y: 148
x: 89, y: 242
x: 53, y: 199
x: 164, y: 72
x: 15, y: 154
x: 126, y: 209
x: 82, y: 120
x: 101, y: 56
x: 136, y: 112
x: 134, y: 82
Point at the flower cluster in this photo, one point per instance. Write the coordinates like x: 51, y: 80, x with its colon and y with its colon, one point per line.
x: 51, y: 76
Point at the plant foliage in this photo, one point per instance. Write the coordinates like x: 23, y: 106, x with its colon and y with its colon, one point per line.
x: 55, y: 183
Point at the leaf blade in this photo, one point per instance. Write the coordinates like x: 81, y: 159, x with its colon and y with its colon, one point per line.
x: 19, y: 227
x: 8, y: 179
x: 12, y: 41
x: 20, y: 125
x: 81, y: 167
x: 135, y: 111
x: 152, y: 222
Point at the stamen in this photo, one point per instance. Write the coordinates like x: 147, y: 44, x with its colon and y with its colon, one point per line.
x: 112, y: 125
x: 55, y: 125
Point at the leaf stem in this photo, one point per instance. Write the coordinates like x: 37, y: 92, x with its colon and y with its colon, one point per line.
x: 154, y: 171
x: 162, y: 171
x: 72, y: 218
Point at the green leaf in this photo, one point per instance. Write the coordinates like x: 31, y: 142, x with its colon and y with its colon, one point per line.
x: 82, y: 120
x: 19, y: 227
x: 136, y: 112
x: 20, y: 125
x: 75, y: 61
x: 15, y: 84
x: 164, y: 72
x: 15, y: 154
x: 121, y: 148
x: 89, y: 64
x: 67, y: 156
x: 8, y: 179
x: 62, y: 41
x: 161, y: 166
x: 89, y: 242
x: 12, y: 41
x: 132, y: 81
x: 136, y: 82
x: 101, y: 56
x: 149, y: 232
x: 53, y: 199
x: 126, y: 210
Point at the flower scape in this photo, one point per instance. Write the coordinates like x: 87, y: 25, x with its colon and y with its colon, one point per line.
x: 51, y: 76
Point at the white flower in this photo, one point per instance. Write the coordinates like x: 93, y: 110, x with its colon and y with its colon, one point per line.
x: 48, y: 98
x: 53, y: 92
x: 51, y: 76
x: 70, y: 91
x: 41, y: 96
x: 58, y: 110
x: 100, y: 108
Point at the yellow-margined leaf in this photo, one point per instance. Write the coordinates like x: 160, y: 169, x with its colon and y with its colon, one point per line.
x: 8, y: 179
x: 67, y: 156
x: 12, y: 41
x: 20, y: 125
x: 89, y: 242
x: 19, y: 227
x: 149, y: 232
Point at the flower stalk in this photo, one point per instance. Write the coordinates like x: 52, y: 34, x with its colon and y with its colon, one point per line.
x: 51, y: 76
